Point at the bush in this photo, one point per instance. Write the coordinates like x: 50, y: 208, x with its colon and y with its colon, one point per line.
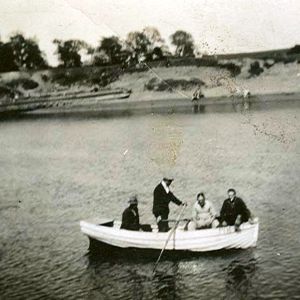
x: 99, y: 76
x: 104, y: 77
x: 255, y: 69
x: 234, y: 69
x: 26, y: 84
x: 155, y: 84
x: 269, y: 63
x: 4, y: 91
x: 294, y: 50
x: 289, y: 60
x: 68, y: 77
x: 29, y: 84
x: 45, y: 77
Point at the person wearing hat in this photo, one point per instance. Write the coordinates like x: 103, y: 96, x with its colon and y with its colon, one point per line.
x: 162, y: 196
x: 130, y: 216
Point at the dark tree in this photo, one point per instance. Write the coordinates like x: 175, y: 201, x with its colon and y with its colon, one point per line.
x: 294, y: 50
x: 7, y: 60
x: 99, y: 58
x: 112, y: 47
x: 184, y: 43
x: 21, y: 53
x: 138, y: 45
x: 153, y: 35
x: 69, y: 52
x: 157, y: 47
x: 157, y: 53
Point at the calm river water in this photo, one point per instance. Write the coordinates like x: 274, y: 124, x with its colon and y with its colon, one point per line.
x: 55, y: 172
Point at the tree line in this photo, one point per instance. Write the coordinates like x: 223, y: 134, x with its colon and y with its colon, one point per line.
x: 21, y: 53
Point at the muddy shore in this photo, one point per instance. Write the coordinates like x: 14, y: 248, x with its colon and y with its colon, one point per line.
x: 127, y: 107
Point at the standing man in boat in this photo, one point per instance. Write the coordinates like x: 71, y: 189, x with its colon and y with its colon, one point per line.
x: 162, y: 196
x: 130, y: 216
x: 234, y: 211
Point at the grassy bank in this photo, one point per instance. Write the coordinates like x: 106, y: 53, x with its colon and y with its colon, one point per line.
x: 160, y: 81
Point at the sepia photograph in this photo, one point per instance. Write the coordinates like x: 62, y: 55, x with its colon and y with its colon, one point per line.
x: 149, y: 149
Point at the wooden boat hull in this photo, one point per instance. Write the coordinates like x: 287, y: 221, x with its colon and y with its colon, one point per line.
x: 195, y: 241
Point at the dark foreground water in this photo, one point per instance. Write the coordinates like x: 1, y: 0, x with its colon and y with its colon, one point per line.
x: 55, y: 172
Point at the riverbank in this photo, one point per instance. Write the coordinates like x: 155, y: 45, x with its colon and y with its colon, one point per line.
x: 128, y: 107
x: 157, y: 89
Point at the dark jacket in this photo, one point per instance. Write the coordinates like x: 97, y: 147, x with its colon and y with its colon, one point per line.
x: 130, y: 218
x: 161, y: 200
x: 230, y: 211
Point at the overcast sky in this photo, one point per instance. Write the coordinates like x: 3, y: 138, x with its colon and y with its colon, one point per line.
x: 218, y: 26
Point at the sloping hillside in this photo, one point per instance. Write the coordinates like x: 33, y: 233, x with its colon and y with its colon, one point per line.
x: 226, y: 78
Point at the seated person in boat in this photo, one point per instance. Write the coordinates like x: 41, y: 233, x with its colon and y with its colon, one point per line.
x: 162, y: 196
x: 203, y: 215
x: 130, y: 216
x: 234, y: 211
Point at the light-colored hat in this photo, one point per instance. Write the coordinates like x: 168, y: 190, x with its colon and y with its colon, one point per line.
x: 133, y: 199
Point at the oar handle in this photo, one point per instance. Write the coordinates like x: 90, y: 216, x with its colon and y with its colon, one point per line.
x: 174, y: 220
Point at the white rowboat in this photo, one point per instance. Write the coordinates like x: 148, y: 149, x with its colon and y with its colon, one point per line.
x: 108, y: 232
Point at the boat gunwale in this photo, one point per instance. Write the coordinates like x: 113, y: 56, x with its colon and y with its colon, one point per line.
x: 183, y: 235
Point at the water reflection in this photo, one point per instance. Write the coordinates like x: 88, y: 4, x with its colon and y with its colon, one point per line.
x: 186, y: 278
x: 240, y: 273
x: 129, y: 279
x: 164, y: 284
x: 227, y: 106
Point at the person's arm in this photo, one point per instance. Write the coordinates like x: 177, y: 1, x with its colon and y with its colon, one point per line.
x: 194, y: 213
x: 244, y: 212
x: 243, y: 215
x: 138, y: 219
x: 237, y: 223
x: 174, y: 199
x: 223, y: 214
x: 212, y: 211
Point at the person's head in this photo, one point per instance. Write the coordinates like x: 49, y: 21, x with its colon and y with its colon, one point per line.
x: 168, y: 180
x: 133, y: 201
x: 201, y: 199
x: 231, y: 193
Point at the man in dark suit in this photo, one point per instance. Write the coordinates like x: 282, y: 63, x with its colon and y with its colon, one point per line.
x: 234, y: 211
x: 162, y: 196
x: 130, y: 216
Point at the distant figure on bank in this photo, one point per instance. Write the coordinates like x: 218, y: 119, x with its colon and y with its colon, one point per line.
x: 234, y: 211
x: 203, y: 214
x: 162, y: 196
x: 130, y: 216
x: 197, y: 94
x: 242, y: 93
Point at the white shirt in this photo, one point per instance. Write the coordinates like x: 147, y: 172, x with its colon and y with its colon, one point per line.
x: 205, y: 214
x: 167, y: 189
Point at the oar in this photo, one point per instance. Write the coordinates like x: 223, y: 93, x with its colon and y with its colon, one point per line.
x: 169, y: 236
x: 174, y: 220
